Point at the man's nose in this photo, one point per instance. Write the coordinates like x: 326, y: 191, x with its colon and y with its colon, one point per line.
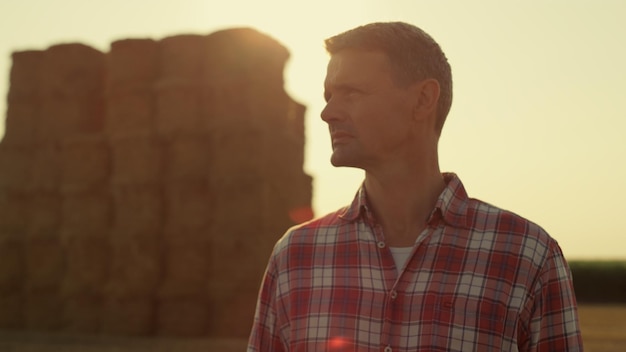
x: 330, y: 112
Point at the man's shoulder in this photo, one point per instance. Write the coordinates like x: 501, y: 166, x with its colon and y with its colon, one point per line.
x: 483, y: 216
x: 321, y: 229
x: 506, y: 231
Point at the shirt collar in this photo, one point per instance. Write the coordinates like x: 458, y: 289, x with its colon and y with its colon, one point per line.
x: 359, y: 206
x: 451, y: 205
x: 453, y: 201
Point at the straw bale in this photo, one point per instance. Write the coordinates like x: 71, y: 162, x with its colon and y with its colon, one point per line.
x: 73, y: 71
x: 45, y: 174
x: 11, y: 310
x: 11, y: 263
x: 86, y: 214
x: 136, y: 266
x: 21, y: 119
x: 187, y: 157
x: 138, y: 210
x: 128, y: 315
x: 189, y: 205
x: 85, y: 164
x: 132, y: 60
x: 272, y: 108
x: 130, y: 112
x: 186, y: 269
x: 290, y: 184
x: 244, y: 75
x: 44, y: 216
x: 136, y: 160
x: 44, y: 263
x: 43, y: 310
x: 240, y: 204
x: 182, y: 56
x: 232, y: 312
x: 226, y: 104
x: 177, y: 106
x: 185, y: 317
x: 244, y: 104
x: 226, y: 253
x: 15, y: 166
x: 25, y: 76
x: 237, y: 150
x: 233, y: 53
x: 296, y: 120
x: 285, y: 157
x: 83, y: 313
x: 14, y: 209
x: 87, y: 264
x: 294, y: 193
x: 67, y: 118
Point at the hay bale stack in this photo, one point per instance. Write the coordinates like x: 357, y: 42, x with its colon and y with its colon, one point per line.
x: 142, y: 190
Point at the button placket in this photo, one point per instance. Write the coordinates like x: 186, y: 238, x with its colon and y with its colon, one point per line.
x: 393, y: 294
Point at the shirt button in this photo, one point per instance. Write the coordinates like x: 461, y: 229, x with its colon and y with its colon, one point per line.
x: 393, y: 294
x: 381, y: 244
x: 388, y: 349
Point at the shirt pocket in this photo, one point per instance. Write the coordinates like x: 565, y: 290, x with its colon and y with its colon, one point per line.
x: 474, y: 314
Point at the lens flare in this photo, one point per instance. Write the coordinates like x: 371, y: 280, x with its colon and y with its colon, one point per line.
x: 339, y: 343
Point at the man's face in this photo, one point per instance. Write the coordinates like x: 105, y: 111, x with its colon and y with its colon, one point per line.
x: 367, y: 113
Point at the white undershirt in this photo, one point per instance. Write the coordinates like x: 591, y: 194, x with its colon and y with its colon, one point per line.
x: 400, y: 256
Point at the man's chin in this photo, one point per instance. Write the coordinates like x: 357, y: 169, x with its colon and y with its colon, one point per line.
x: 340, y: 161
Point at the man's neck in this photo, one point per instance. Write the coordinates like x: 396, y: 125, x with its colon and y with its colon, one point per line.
x: 403, y: 201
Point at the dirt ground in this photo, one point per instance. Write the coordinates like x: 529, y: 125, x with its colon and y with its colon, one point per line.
x: 32, y: 342
x: 603, y: 328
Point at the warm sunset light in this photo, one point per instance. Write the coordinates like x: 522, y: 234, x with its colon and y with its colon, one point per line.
x: 538, y: 120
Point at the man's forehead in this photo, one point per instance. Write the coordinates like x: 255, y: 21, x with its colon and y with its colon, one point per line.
x: 351, y: 63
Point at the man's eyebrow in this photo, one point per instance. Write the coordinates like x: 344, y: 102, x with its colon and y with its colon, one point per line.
x: 336, y: 88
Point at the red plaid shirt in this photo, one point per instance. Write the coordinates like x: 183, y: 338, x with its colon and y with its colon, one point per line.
x: 479, y: 279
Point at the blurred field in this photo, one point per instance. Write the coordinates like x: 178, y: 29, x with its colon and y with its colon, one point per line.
x: 603, y: 327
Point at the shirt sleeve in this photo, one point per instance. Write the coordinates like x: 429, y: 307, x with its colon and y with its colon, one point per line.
x: 553, y: 317
x: 264, y: 336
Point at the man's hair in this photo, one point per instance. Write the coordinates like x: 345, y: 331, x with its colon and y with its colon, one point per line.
x: 413, y: 54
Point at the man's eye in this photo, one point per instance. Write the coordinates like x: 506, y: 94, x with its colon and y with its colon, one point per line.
x: 352, y: 92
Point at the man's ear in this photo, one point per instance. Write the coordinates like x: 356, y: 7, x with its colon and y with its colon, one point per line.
x: 427, y: 96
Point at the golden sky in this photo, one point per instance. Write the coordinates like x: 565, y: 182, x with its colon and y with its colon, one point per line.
x: 538, y: 122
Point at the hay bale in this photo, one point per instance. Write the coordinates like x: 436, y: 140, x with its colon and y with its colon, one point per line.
x: 186, y: 268
x: 186, y: 316
x: 85, y: 164
x: 129, y: 110
x: 15, y: 166
x: 86, y: 214
x: 46, y: 168
x: 137, y: 210
x: 25, y: 76
x: 177, y: 106
x: 182, y: 57
x: 72, y: 72
x: 128, y: 315
x: 136, y: 160
x: 44, y: 215
x: 186, y: 157
x: 188, y: 206
x: 44, y: 263
x: 135, y: 266
x: 131, y: 60
x: 87, y: 265
x: 11, y: 264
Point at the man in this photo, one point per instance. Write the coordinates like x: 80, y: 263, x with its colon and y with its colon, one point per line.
x: 412, y: 264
